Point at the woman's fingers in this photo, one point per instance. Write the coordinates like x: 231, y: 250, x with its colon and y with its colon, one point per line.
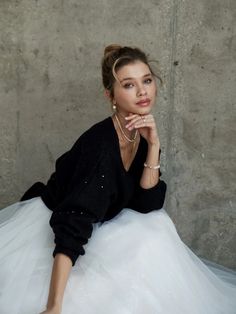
x: 131, y: 116
x: 140, y: 121
x: 146, y: 125
x: 133, y: 121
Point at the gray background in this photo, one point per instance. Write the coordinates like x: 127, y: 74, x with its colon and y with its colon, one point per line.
x: 51, y: 91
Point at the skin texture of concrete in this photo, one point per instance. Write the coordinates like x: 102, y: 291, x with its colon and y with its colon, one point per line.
x: 51, y: 91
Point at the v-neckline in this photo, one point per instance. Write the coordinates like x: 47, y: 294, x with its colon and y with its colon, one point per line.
x: 117, y: 143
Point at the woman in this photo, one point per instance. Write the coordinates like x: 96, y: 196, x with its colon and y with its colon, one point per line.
x: 135, y: 262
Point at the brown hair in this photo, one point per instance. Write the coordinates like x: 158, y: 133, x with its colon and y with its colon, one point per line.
x: 115, y: 57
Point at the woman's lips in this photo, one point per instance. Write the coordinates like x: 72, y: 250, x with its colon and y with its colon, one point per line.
x: 143, y: 103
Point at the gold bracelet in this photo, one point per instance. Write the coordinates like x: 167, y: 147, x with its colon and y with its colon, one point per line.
x: 151, y: 167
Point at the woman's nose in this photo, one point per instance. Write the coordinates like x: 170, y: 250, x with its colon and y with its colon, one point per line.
x: 142, y: 91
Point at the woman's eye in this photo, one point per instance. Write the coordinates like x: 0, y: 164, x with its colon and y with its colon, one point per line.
x: 148, y: 81
x: 128, y: 85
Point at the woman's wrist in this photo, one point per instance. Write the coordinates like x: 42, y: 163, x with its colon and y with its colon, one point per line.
x: 55, y: 304
x: 154, y: 167
x: 54, y: 307
x: 154, y: 144
x: 153, y: 152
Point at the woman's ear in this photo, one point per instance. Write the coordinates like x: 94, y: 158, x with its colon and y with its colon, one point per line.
x: 107, y: 94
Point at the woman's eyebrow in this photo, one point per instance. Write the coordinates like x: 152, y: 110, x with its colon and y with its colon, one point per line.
x: 133, y: 78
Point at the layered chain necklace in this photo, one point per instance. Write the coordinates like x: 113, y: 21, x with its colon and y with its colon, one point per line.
x: 131, y: 140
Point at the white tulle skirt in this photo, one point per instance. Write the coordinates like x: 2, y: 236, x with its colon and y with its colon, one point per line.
x: 134, y: 264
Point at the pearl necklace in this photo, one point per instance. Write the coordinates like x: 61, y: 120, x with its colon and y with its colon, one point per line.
x: 131, y: 140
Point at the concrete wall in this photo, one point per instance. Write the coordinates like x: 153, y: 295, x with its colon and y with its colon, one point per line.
x: 51, y: 91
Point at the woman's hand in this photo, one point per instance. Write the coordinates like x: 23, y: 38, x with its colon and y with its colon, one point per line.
x: 146, y: 126
x: 51, y: 311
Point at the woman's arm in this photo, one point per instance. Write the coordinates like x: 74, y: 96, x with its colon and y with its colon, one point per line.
x: 147, y: 128
x: 150, y: 177
x: 72, y: 223
x: 60, y: 273
x: 150, y: 192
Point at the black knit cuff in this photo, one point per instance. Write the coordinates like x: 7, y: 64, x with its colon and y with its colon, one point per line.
x: 152, y: 198
x: 73, y: 255
x: 35, y: 190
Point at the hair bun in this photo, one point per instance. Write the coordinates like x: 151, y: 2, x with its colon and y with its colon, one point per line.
x: 111, y: 49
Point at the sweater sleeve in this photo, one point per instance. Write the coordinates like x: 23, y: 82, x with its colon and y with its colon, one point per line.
x: 146, y: 200
x: 87, y: 202
x: 58, y: 182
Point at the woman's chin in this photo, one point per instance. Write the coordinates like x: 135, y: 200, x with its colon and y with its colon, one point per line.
x: 139, y: 111
x: 143, y: 111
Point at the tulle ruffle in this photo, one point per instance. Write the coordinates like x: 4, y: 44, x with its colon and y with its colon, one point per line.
x: 134, y: 264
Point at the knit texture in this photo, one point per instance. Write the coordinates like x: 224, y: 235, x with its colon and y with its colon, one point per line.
x: 90, y: 185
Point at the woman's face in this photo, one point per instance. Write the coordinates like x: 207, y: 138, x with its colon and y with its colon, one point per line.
x: 135, y: 92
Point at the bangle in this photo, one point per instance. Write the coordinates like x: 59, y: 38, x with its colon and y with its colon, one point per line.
x: 151, y: 167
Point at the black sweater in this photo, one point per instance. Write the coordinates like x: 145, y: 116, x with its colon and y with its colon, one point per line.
x: 90, y: 184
